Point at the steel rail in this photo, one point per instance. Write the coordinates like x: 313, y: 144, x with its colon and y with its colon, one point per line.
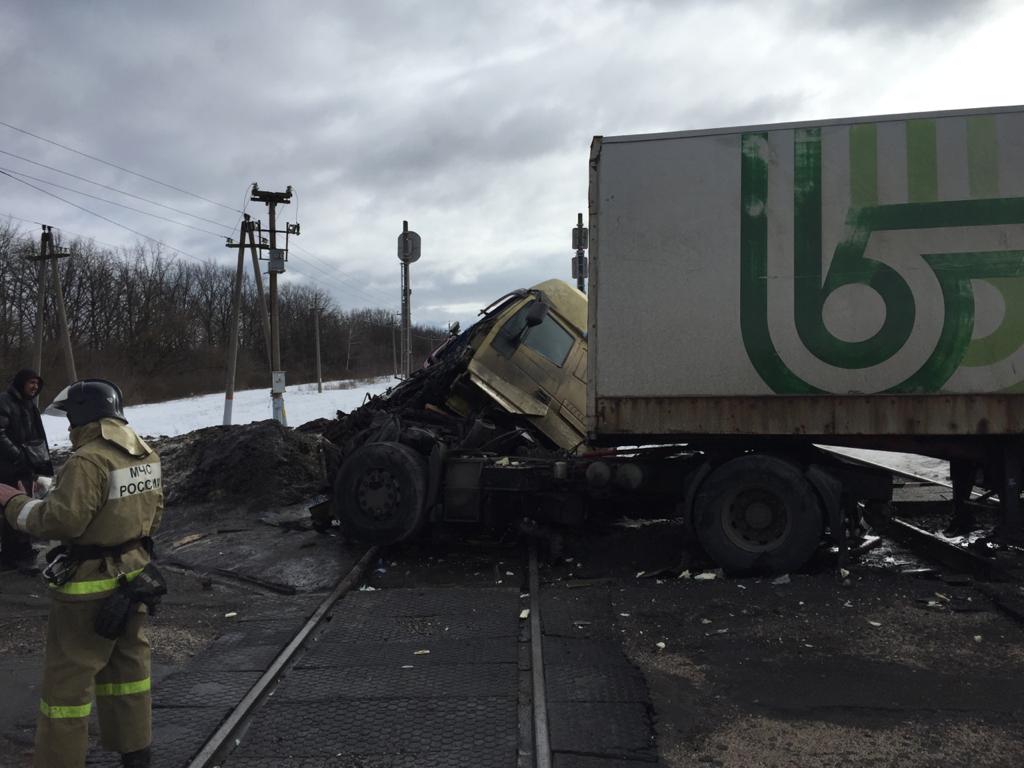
x: 541, y: 739
x: 933, y: 546
x: 221, y: 742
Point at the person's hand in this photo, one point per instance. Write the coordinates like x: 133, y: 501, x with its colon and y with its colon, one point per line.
x: 8, y: 492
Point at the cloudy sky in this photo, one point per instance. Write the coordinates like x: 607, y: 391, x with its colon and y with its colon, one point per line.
x: 472, y: 120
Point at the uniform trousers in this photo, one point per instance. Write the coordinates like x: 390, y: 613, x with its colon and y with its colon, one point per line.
x: 81, y: 664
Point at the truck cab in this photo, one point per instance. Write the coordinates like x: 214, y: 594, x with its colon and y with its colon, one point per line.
x: 531, y: 361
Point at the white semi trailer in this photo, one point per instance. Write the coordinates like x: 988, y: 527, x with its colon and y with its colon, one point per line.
x: 854, y: 282
x: 755, y: 292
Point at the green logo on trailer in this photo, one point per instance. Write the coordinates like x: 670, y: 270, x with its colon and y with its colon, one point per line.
x: 953, y: 271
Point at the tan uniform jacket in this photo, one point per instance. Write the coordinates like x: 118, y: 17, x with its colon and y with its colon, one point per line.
x: 107, y: 493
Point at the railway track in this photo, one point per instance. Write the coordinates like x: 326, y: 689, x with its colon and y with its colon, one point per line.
x: 950, y: 552
x: 473, y: 676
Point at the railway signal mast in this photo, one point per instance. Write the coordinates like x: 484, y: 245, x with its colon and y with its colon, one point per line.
x: 408, y: 252
x: 580, y: 268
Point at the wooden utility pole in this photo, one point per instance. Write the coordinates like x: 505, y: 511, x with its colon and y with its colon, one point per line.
x: 236, y: 305
x: 277, y: 259
x: 49, y: 252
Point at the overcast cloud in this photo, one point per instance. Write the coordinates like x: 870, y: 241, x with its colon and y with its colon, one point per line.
x: 472, y: 120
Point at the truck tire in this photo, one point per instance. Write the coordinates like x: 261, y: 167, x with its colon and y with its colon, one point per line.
x: 758, y: 513
x: 380, y: 494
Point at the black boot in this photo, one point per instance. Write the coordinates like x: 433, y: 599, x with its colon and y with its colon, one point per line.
x: 138, y: 759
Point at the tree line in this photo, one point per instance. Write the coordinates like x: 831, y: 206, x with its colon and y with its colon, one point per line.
x: 159, y: 325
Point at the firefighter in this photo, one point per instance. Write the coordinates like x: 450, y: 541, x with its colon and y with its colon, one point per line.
x: 106, y: 502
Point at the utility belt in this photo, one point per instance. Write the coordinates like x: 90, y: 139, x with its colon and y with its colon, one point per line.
x: 63, y: 561
x: 147, y: 587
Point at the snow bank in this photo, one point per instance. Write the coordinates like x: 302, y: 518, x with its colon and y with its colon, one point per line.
x: 176, y: 417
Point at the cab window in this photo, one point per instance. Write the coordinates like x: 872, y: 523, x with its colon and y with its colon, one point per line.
x: 549, y: 339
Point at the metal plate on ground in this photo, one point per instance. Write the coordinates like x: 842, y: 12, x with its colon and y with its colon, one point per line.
x: 178, y: 734
x: 245, y: 647
x: 397, y: 726
x: 584, y: 653
x: 585, y: 761
x: 325, y: 653
x: 577, y: 613
x: 432, y: 602
x: 301, y: 561
x: 203, y: 688
x: 412, y: 680
x: 571, y: 625
x: 495, y: 759
x: 384, y: 629
x: 614, y: 730
x: 609, y: 683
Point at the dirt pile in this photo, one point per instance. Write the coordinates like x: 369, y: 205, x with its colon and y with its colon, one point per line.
x: 259, y: 466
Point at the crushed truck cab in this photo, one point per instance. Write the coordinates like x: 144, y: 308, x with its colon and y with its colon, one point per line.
x: 508, y: 391
x: 532, y: 361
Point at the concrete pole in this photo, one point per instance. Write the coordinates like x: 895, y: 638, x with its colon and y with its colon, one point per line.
x: 277, y: 398
x: 37, y: 359
x: 316, y: 341
x: 62, y: 316
x: 236, y: 306
x: 264, y: 316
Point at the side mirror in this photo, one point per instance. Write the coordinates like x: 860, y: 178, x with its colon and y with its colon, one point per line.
x: 536, y: 313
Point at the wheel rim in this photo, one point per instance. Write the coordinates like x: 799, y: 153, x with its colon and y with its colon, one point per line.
x: 756, y: 519
x: 378, y: 496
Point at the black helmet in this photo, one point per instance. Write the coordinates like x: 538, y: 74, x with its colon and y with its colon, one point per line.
x: 88, y: 400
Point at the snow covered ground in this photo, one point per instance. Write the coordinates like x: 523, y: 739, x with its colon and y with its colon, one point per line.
x: 175, y: 417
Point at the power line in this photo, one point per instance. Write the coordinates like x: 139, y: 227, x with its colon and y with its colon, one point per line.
x: 338, y: 282
x: 9, y: 172
x: 351, y: 290
x: 115, y: 165
x: 316, y: 258
x: 21, y: 218
x: 112, y: 189
x: 62, y: 230
x: 105, y: 218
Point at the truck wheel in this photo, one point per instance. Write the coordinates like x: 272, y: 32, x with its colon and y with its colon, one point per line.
x: 380, y: 493
x: 758, y: 513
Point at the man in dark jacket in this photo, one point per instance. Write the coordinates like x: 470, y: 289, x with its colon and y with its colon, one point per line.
x: 24, y: 455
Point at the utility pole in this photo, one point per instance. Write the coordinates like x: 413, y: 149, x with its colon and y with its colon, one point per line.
x: 394, y: 346
x: 37, y: 361
x: 49, y: 252
x: 408, y: 252
x: 276, y: 266
x: 580, y: 268
x: 236, y: 304
x: 316, y: 342
x: 254, y: 249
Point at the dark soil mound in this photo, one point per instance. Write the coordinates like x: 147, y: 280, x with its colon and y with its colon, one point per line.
x: 260, y: 466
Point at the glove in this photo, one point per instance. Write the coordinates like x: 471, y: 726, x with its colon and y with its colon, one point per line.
x: 8, y: 492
